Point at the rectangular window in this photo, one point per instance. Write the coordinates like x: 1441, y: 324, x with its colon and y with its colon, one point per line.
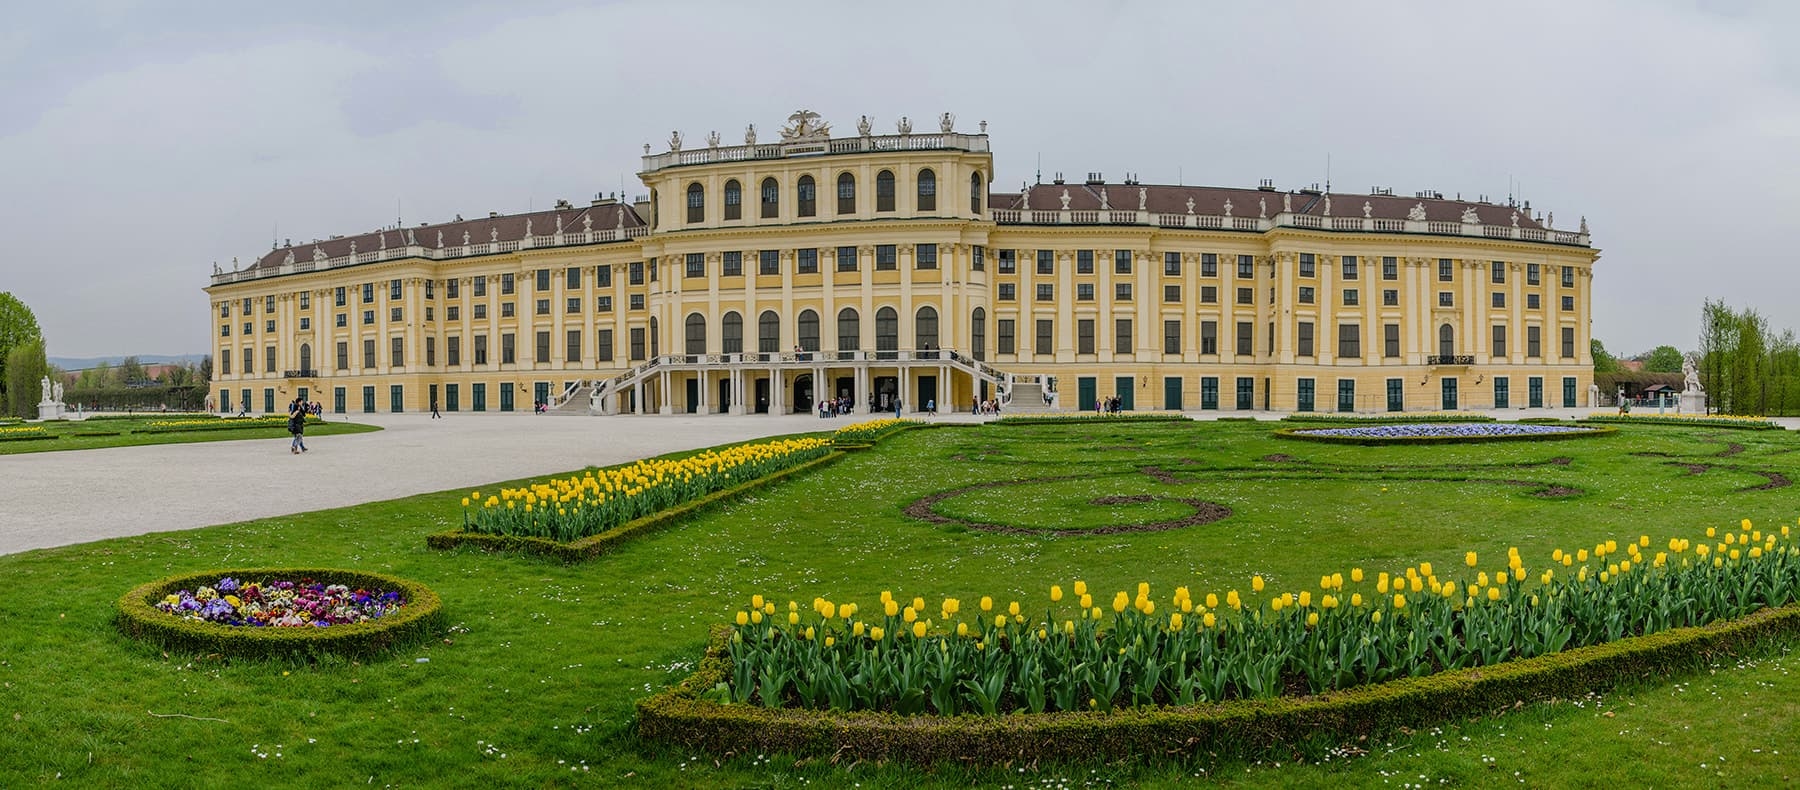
x: 1171, y: 264
x: 1046, y: 262
x: 249, y: 363
x: 635, y: 273
x: 268, y: 359
x: 543, y: 307
x: 1350, y: 297
x: 368, y: 353
x: 1209, y: 393
x: 1568, y: 392
x: 1084, y: 336
x: 1446, y: 298
x: 542, y: 352
x: 1303, y: 394
x: 270, y: 326
x: 887, y: 257
x: 572, y: 306
x: 1123, y: 340
x: 603, y: 304
x: 1502, y: 392
x: 1306, y: 294
x: 1121, y: 261
x: 1568, y: 342
x: 1568, y: 303
x: 224, y: 330
x: 480, y: 283
x: 1246, y: 296
x: 225, y: 362
x: 1084, y: 292
x: 393, y: 315
x: 1532, y: 302
x: 368, y: 317
x: 1349, y: 341
x: 478, y: 396
x: 806, y: 260
x: 509, y: 351
x: 1499, y: 346
x: 368, y: 293
x: 1446, y: 272
x: 1209, y: 294
x: 248, y: 325
x: 1497, y: 272
x: 768, y: 262
x: 1533, y: 342
x: 1531, y: 274
x: 637, y: 344
x: 1308, y: 266
x: 846, y: 259
x: 481, y: 350
x: 1209, y: 337
x: 339, y: 298
x: 1003, y: 334
x: 1007, y: 292
x: 397, y: 351
x: 453, y: 289
x: 1304, y: 340
x: 977, y: 256
x: 1246, y: 393
x: 1568, y: 277
x: 306, y: 296
x: 453, y: 350
x: 1172, y: 294
x: 603, y: 345
x: 543, y: 279
x: 269, y: 302
x: 507, y: 309
x: 1122, y: 292
x: 1390, y: 341
x: 1046, y: 292
x: 571, y: 277
x: 430, y: 315
x: 925, y: 256
x: 1171, y: 336
x: 603, y: 276
x: 1499, y: 300
x: 507, y: 286
x: 1246, y: 266
x: 1046, y: 342
x: 1390, y: 268
x: 1346, y: 395
x: 452, y: 313
x: 732, y: 264
x: 696, y: 264
x: 343, y: 355
x: 1209, y: 264
x: 572, y: 346
x: 1347, y: 265
x: 1009, y: 261
x: 1244, y: 338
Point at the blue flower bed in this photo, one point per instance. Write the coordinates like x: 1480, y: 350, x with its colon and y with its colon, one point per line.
x: 1439, y: 433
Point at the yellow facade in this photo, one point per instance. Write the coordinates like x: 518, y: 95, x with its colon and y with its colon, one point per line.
x: 766, y: 276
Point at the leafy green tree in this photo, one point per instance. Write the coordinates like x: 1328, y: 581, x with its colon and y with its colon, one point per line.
x: 205, y: 371
x: 25, y: 370
x: 1603, y: 361
x: 18, y: 325
x: 1749, y: 383
x: 1663, y: 359
x: 1718, y: 336
x: 131, y: 371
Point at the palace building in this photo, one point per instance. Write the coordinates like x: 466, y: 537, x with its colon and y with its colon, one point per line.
x: 767, y: 276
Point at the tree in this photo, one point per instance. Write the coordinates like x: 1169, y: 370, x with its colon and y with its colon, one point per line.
x: 131, y: 371
x: 1663, y: 359
x: 206, y: 370
x: 17, y: 326
x: 1603, y: 361
x: 1718, y: 336
x: 25, y: 370
x: 1749, y: 361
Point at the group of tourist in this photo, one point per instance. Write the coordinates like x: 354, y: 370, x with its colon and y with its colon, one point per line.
x: 989, y: 406
x: 1112, y: 405
x: 832, y: 407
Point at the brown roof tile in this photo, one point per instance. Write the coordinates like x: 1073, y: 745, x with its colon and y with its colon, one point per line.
x: 479, y: 230
x: 1163, y: 199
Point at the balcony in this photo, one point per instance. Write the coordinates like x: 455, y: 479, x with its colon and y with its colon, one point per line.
x: 1463, y: 359
x: 300, y: 374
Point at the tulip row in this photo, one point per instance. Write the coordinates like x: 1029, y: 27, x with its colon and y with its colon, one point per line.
x: 566, y: 509
x: 1367, y: 628
x: 1718, y: 420
x: 869, y: 432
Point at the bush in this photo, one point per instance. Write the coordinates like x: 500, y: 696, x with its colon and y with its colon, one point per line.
x: 421, y: 618
x: 596, y: 545
x: 1240, y: 728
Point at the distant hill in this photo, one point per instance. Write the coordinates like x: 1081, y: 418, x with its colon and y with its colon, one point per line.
x: 83, y: 363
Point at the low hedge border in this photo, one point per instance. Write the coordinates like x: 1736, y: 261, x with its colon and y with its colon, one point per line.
x: 1088, y: 419
x: 595, y: 545
x: 421, y: 618
x: 26, y: 437
x: 1238, y: 728
x: 1728, y: 424
x: 877, y: 438
x: 1377, y: 441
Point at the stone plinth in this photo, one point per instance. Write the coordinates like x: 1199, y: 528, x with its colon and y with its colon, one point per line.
x: 51, y: 411
x: 1693, y: 402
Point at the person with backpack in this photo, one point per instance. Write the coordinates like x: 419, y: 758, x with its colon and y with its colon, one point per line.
x: 297, y: 426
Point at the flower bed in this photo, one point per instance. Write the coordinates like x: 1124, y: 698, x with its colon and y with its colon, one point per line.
x: 1442, y: 433
x: 867, y: 433
x: 219, y: 424
x: 1442, y: 416
x: 1089, y: 417
x: 277, y: 612
x: 1747, y: 423
x: 1221, y: 672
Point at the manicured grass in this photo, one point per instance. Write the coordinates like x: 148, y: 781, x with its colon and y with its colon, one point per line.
x: 543, y: 661
x: 95, y: 433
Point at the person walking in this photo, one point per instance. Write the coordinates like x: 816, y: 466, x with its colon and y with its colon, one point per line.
x: 434, y: 410
x: 297, y: 426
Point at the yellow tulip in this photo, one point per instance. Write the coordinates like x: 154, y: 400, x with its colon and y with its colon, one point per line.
x: 743, y: 617
x: 1356, y: 575
x: 1055, y: 592
x: 829, y: 641
x: 858, y: 628
x: 909, y: 614
x: 1080, y: 587
x: 809, y: 633
x: 1277, y: 602
x: 1415, y: 584
x: 1013, y: 608
x: 1232, y: 599
x: 1500, y: 577
x: 1449, y: 589
x: 756, y: 617
x: 793, y: 618
x: 1356, y: 599
x: 1256, y: 583
x: 1212, y: 601
x: 1305, y: 598
x: 1470, y: 559
x: 962, y: 629
x: 1493, y: 593
x: 918, y: 604
x: 999, y: 621
x: 1149, y: 607
x: 1399, y: 601
x: 1376, y: 616
x: 987, y: 603
x: 1425, y: 568
x: 1381, y: 583
x: 1209, y: 620
x: 876, y: 633
x: 829, y: 610
x: 1174, y: 622
x: 891, y: 607
x: 1312, y: 619
x: 918, y: 630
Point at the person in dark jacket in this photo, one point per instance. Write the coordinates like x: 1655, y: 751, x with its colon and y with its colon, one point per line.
x: 297, y: 426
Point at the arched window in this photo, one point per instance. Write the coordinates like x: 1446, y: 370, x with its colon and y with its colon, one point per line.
x: 771, y: 199
x: 975, y: 190
x: 927, y: 190
x: 1446, y: 341
x: 925, y: 328
x: 696, y: 334
x: 808, y: 328
x: 655, y: 339
x: 846, y: 194
x: 884, y: 190
x: 734, y: 200
x: 849, y: 327
x: 306, y: 358
x: 887, y: 329
x: 653, y: 222
x: 978, y: 334
x: 731, y: 331
x: 696, y: 203
x: 768, y: 332
x: 807, y: 193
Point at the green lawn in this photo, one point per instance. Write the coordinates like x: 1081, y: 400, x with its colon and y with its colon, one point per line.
x: 95, y: 433
x: 534, y: 684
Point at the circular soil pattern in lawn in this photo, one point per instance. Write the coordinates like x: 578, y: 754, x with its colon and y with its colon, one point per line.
x: 1203, y: 512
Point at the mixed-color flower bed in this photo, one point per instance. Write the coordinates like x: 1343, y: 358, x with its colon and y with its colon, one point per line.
x: 1467, y: 430
x: 578, y: 506
x: 1410, y: 417
x: 871, y: 431
x: 281, y: 602
x: 1180, y: 648
x: 1715, y: 420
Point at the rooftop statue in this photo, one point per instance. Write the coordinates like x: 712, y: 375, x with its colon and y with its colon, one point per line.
x: 1417, y: 212
x: 864, y: 126
x: 1065, y: 200
x: 1143, y: 198
x: 1227, y: 208
x: 750, y: 134
x: 946, y: 123
x: 1470, y: 217
x: 805, y: 125
x: 1367, y: 209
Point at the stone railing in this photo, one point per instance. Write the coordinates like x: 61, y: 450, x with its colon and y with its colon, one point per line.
x: 977, y: 143
x: 1003, y: 216
x: 436, y: 253
x: 1456, y: 359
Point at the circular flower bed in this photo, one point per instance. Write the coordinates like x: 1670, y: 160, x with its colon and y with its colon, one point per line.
x: 1442, y: 432
x: 280, y: 612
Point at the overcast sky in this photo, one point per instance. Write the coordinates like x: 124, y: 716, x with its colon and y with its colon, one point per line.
x: 143, y: 141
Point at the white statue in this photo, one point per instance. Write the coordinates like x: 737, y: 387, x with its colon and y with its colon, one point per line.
x: 465, y: 238
x: 353, y: 246
x: 440, y: 239
x: 1550, y: 222
x: 1190, y: 205
x: 1228, y: 208
x: 46, y: 385
x: 559, y: 224
x: 587, y: 223
x: 1287, y: 202
x: 318, y: 253
x: 712, y: 139
x: 289, y: 260
x: 56, y: 391
x: 1584, y: 225
x: 675, y: 140
x: 864, y: 126
x: 1691, y: 377
x: 493, y: 235
x: 1262, y: 208
x: 946, y: 123
x: 1065, y: 200
x: 1327, y: 205
x: 412, y: 240
x: 384, y: 241
x: 1104, y: 205
x: 1515, y: 219
x: 1025, y: 197
x: 1367, y: 209
x: 1470, y: 217
x: 1143, y: 198
x: 904, y: 125
x: 750, y: 134
x: 1417, y: 212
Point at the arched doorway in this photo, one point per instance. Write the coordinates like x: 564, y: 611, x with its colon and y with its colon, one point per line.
x: 803, y: 394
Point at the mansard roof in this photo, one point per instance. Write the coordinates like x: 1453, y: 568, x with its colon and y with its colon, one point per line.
x: 1164, y: 199
x: 509, y: 227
